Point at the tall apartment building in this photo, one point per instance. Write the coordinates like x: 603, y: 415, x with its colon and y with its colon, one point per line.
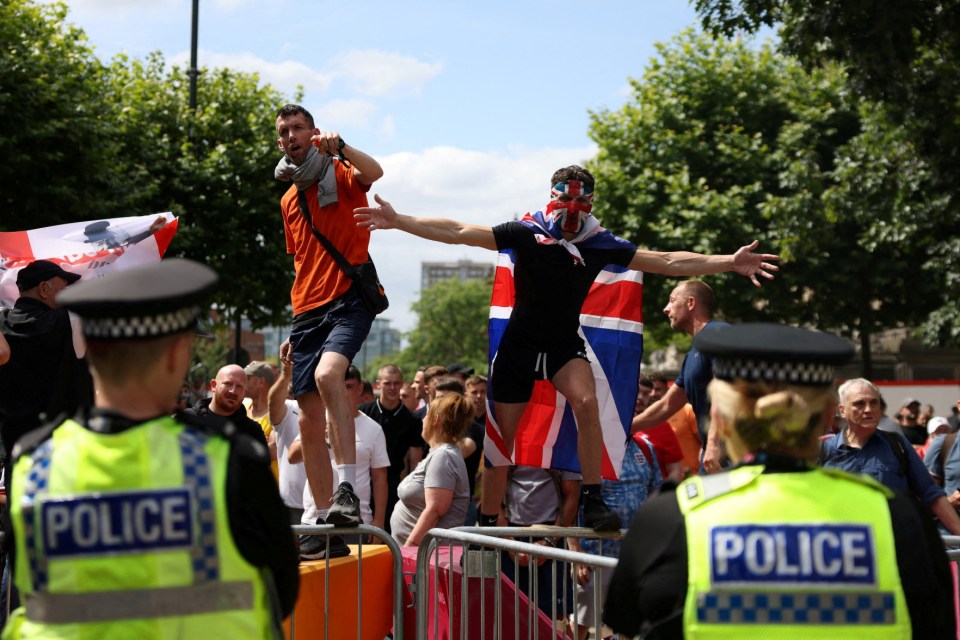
x: 433, y: 272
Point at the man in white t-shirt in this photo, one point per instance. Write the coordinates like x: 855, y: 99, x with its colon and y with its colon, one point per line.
x: 284, y: 419
x: 371, y: 485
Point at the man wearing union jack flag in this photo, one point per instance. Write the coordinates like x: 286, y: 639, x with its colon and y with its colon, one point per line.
x: 557, y: 255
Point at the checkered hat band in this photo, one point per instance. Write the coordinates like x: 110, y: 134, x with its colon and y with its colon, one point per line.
x: 148, y: 326
x: 804, y: 373
x: 870, y: 608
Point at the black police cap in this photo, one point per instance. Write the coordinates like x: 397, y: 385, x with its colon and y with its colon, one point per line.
x: 773, y: 353
x: 40, y: 271
x: 149, y: 301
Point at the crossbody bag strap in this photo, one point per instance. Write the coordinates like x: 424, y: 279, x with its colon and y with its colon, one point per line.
x: 344, y: 264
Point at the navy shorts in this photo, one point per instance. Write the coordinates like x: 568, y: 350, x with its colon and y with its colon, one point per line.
x: 340, y: 326
x: 516, y: 366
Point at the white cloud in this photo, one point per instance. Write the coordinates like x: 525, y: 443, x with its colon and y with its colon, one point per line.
x: 285, y: 76
x: 341, y: 114
x: 470, y: 186
x: 383, y: 74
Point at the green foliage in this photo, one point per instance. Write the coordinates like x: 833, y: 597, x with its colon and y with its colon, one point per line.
x: 209, y: 356
x: 904, y: 55
x: 59, y: 161
x: 82, y: 140
x: 452, y: 327
x: 723, y: 143
x: 213, y: 168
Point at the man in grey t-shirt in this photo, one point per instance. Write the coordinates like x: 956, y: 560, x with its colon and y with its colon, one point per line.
x: 541, y: 496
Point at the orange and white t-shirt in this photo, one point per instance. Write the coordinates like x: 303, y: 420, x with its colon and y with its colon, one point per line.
x: 319, y: 278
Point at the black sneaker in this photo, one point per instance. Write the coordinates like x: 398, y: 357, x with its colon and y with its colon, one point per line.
x: 316, y: 547
x: 345, y: 508
x: 598, y: 516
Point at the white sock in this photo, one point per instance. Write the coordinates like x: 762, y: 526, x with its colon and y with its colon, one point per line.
x: 347, y: 473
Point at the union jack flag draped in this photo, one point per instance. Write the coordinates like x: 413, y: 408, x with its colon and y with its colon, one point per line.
x: 611, y: 324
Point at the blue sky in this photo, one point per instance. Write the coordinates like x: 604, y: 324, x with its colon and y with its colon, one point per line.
x: 469, y: 107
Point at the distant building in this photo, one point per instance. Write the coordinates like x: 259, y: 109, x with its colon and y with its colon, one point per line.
x: 433, y: 272
x: 251, y: 342
x: 382, y: 340
x: 273, y: 337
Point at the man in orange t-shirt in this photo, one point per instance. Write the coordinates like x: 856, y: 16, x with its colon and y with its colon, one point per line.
x: 330, y: 320
x: 683, y: 423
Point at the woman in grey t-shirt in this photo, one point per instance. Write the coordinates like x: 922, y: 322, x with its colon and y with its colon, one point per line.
x: 437, y: 492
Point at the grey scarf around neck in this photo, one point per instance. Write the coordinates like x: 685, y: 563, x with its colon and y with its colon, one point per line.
x: 316, y: 168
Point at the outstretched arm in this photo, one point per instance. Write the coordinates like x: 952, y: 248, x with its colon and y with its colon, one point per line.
x: 686, y: 263
x: 439, y: 229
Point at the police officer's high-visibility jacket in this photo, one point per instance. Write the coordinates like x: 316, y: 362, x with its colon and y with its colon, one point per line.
x: 792, y: 555
x: 126, y: 535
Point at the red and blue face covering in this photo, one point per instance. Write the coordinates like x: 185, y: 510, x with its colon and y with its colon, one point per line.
x: 570, y: 204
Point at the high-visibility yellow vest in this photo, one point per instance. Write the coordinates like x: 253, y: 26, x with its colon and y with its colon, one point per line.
x: 792, y: 555
x: 126, y: 536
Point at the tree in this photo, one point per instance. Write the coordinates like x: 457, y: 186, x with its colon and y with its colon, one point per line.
x: 59, y: 164
x: 452, y: 326
x: 213, y: 168
x: 209, y: 356
x: 83, y: 140
x: 723, y: 143
x: 903, y: 55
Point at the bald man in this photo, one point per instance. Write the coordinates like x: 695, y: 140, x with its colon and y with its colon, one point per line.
x: 226, y: 404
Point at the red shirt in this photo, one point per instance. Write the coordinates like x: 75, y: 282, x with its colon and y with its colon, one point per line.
x: 664, y: 442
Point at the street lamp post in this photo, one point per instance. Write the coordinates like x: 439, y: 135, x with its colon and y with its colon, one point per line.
x: 193, y: 56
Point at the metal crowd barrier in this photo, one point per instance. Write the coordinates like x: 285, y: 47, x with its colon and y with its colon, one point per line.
x: 350, y: 532
x: 477, y: 544
x: 952, y: 544
x: 328, y: 530
x: 481, y: 558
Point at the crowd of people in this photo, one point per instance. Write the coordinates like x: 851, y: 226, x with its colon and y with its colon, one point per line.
x: 120, y: 483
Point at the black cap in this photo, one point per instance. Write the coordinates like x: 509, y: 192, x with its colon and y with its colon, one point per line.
x: 773, y: 353
x: 143, y: 302
x: 40, y: 271
x: 458, y: 368
x: 261, y: 369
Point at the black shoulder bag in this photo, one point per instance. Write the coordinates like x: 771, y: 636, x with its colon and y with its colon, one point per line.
x: 366, y: 282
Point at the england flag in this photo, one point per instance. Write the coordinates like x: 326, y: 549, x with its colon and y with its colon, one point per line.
x: 89, y: 249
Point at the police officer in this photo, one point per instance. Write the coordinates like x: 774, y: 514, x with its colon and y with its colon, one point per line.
x: 129, y: 523
x: 775, y: 547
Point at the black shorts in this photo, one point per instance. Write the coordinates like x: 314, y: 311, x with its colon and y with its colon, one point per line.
x: 516, y: 367
x: 341, y: 327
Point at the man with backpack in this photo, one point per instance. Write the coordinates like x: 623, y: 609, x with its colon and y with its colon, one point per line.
x: 887, y: 457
